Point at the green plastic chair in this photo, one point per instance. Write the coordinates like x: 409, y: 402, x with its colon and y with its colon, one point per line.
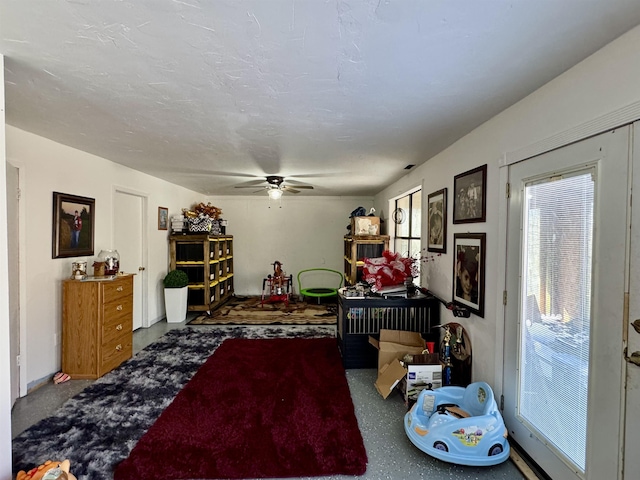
x: 325, y: 289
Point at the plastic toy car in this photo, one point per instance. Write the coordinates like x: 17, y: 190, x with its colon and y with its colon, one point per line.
x: 459, y: 425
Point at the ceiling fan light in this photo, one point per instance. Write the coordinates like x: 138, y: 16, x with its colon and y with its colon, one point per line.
x: 274, y: 193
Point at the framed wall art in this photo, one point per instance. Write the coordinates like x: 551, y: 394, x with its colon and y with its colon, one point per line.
x: 73, y: 225
x: 469, y: 196
x: 469, y: 271
x: 437, y: 221
x: 163, y: 218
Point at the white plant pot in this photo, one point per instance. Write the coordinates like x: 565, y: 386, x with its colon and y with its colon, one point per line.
x: 175, y: 304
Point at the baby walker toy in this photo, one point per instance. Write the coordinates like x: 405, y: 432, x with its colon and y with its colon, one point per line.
x: 276, y: 287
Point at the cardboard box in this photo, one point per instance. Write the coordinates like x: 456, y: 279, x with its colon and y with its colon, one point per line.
x: 392, y: 346
x: 389, y: 377
x: 395, y: 344
x: 424, y: 372
x: 365, y: 226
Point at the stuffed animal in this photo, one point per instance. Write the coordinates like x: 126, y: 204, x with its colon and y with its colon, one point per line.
x: 49, y: 470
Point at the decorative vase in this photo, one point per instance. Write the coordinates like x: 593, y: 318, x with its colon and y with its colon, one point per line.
x: 111, y: 259
x: 175, y: 304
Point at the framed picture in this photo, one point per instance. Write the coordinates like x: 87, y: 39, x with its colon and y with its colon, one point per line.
x: 469, y: 196
x: 73, y: 225
x: 437, y: 217
x: 163, y: 218
x: 468, y: 271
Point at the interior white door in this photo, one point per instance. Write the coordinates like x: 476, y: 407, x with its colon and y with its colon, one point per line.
x: 632, y: 413
x: 13, y: 245
x: 566, y: 259
x: 129, y: 225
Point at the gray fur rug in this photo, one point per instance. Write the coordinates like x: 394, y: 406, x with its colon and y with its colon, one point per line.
x: 98, y: 428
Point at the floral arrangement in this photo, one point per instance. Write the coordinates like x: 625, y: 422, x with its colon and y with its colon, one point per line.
x: 390, y: 269
x: 202, y: 210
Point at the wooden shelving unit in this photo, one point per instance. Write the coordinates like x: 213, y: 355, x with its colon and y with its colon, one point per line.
x: 356, y: 249
x: 208, y: 262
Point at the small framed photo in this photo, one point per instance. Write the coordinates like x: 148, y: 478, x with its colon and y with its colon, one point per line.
x: 469, y: 196
x: 73, y: 225
x: 437, y: 217
x: 163, y: 218
x: 468, y: 271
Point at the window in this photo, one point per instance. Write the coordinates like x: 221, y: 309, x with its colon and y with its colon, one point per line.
x: 556, y: 299
x: 407, y: 221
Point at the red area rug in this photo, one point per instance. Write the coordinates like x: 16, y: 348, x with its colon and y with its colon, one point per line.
x: 256, y: 409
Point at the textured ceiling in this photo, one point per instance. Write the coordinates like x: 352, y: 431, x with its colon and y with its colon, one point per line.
x: 338, y: 94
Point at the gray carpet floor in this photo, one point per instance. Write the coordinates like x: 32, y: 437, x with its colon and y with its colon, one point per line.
x: 391, y: 455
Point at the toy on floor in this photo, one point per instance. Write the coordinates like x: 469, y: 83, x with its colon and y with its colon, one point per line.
x: 459, y: 425
x: 276, y: 287
x: 49, y: 470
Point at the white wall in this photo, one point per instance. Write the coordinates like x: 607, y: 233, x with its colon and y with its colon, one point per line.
x: 605, y: 82
x: 306, y: 232
x: 45, y: 167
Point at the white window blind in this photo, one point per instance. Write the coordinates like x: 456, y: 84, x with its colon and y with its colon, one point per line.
x: 556, y: 311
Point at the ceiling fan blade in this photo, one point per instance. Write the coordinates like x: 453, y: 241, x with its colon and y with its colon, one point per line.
x: 290, y: 190
x: 216, y: 173
x: 256, y: 182
x: 308, y: 187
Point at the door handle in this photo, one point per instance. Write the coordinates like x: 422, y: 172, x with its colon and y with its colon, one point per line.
x: 141, y: 269
x: 634, y: 358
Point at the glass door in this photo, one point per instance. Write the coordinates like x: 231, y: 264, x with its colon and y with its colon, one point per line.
x: 565, y: 271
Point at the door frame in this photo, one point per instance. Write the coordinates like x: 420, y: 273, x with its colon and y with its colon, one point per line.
x: 22, y: 274
x: 616, y: 119
x: 144, y: 197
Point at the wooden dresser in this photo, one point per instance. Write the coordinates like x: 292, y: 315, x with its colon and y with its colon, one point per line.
x: 97, y: 325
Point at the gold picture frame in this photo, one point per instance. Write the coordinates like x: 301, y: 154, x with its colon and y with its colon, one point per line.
x: 163, y: 218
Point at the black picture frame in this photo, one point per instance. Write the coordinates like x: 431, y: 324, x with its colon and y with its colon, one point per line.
x: 437, y: 221
x: 72, y: 236
x: 469, y: 196
x: 469, y: 267
x: 163, y: 218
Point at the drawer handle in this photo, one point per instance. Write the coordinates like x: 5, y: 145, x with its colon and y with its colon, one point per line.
x: 119, y: 307
x: 119, y: 347
x: 119, y: 327
x: 120, y: 288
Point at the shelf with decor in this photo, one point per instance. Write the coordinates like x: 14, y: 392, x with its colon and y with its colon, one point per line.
x: 356, y: 249
x: 208, y: 262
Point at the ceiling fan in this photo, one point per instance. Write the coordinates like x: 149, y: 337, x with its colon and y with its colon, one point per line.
x: 275, y: 187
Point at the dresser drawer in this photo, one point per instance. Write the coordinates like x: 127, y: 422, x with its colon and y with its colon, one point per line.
x: 118, y: 308
x: 116, y: 327
x: 115, y: 352
x: 117, y: 289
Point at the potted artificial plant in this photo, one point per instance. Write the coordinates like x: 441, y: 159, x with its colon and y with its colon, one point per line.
x: 175, y: 296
